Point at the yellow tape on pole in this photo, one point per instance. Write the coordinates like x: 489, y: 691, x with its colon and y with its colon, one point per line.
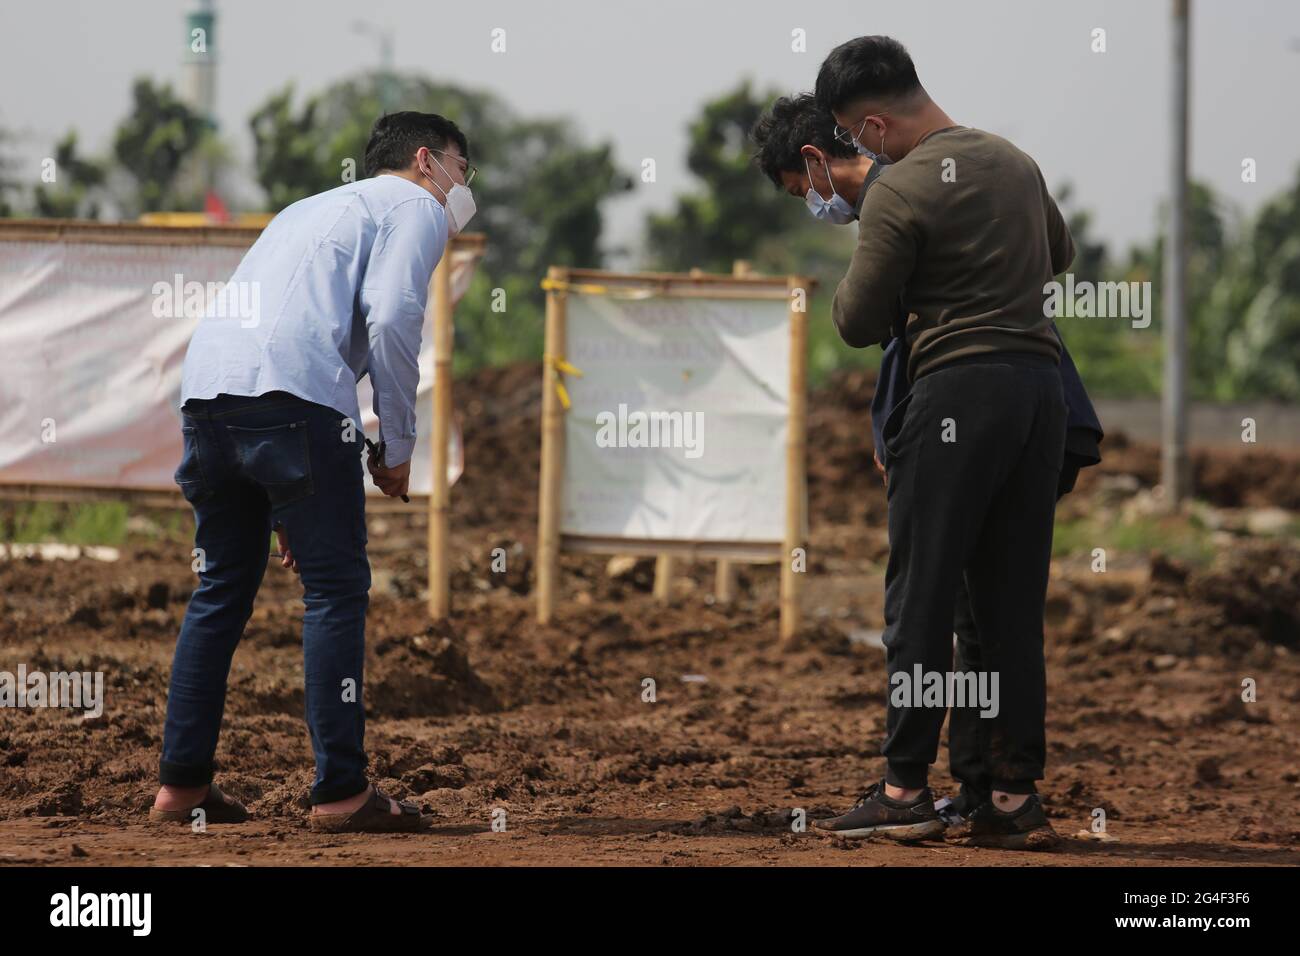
x: 561, y: 368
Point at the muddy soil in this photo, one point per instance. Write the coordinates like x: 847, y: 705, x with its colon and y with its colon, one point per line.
x: 492, y: 712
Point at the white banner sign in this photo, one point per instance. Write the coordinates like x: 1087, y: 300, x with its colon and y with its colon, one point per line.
x: 91, y: 386
x: 678, y: 425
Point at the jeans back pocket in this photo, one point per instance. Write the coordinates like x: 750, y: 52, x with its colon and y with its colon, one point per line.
x: 277, y: 458
x: 189, y: 474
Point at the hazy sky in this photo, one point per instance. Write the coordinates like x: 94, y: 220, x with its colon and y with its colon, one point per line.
x: 636, y: 73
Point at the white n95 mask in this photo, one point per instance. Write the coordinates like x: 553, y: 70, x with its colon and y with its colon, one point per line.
x: 460, y: 207
x: 458, y: 203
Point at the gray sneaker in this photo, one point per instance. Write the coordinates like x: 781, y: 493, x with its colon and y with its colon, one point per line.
x: 876, y: 814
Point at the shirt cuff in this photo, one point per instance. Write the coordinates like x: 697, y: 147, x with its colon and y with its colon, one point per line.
x: 397, y: 451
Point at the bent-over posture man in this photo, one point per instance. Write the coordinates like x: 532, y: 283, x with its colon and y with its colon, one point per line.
x: 957, y: 240
x: 270, y: 425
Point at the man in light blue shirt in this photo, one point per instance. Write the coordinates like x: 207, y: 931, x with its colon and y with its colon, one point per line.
x: 333, y: 289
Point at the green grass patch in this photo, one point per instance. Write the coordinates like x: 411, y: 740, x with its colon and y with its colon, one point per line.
x: 87, y: 523
x: 1183, y: 537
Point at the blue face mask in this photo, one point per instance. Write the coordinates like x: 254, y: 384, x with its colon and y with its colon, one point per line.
x: 879, y: 157
x: 836, y: 209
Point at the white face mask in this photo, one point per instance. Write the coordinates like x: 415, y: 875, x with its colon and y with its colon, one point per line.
x: 458, y: 203
x: 836, y: 209
x: 460, y: 207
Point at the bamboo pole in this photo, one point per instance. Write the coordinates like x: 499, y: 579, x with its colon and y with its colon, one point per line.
x: 795, y: 452
x: 724, y: 577
x: 665, y: 571
x: 680, y: 292
x: 125, y: 233
x: 440, y: 433
x: 549, y: 499
x: 666, y: 564
x: 724, y: 581
x: 694, y: 277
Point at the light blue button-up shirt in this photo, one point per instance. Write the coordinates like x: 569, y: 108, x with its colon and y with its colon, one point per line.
x: 334, y: 287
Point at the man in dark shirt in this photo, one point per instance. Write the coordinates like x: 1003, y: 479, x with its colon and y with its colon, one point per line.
x: 795, y: 147
x: 957, y: 238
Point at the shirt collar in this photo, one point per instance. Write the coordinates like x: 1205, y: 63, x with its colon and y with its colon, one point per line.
x: 872, y: 175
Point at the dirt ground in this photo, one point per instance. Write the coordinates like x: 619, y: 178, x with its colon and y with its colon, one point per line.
x: 493, y: 712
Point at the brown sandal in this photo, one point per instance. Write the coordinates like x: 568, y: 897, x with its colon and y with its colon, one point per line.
x: 216, y: 807
x: 373, y: 816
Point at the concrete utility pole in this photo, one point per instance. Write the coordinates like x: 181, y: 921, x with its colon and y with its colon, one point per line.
x: 199, y: 78
x: 1174, y: 467
x: 199, y: 84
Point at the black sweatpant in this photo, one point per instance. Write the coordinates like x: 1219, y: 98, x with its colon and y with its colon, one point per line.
x: 965, y: 757
x: 973, y: 456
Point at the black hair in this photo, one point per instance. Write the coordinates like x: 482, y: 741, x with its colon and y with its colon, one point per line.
x: 396, y: 136
x: 792, y: 123
x: 876, y: 68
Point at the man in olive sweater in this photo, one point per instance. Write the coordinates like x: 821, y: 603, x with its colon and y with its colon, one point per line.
x: 958, y: 237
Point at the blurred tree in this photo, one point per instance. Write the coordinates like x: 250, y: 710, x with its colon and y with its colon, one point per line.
x: 737, y: 210
x: 292, y: 157
x: 538, y: 193
x: 1113, y: 358
x: 738, y: 214
x: 1253, y: 306
x: 77, y: 179
x: 1243, y: 307
x: 151, y: 146
x: 1209, y: 250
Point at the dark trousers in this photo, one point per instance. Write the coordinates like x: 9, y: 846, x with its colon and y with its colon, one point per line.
x: 249, y: 465
x: 965, y: 757
x: 973, y: 455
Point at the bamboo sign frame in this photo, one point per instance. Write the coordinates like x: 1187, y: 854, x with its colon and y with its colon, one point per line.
x: 440, y: 304
x: 560, y: 284
x: 440, y: 427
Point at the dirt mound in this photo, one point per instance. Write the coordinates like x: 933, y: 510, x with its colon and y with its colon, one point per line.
x: 843, y: 485
x: 1246, y: 602
x: 1227, y: 479
x: 426, y: 674
x: 500, y: 413
x: 1244, y: 607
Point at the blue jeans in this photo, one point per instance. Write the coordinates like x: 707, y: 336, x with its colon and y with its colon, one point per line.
x: 249, y: 465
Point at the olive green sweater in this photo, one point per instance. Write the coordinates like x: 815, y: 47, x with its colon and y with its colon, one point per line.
x: 962, y: 232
